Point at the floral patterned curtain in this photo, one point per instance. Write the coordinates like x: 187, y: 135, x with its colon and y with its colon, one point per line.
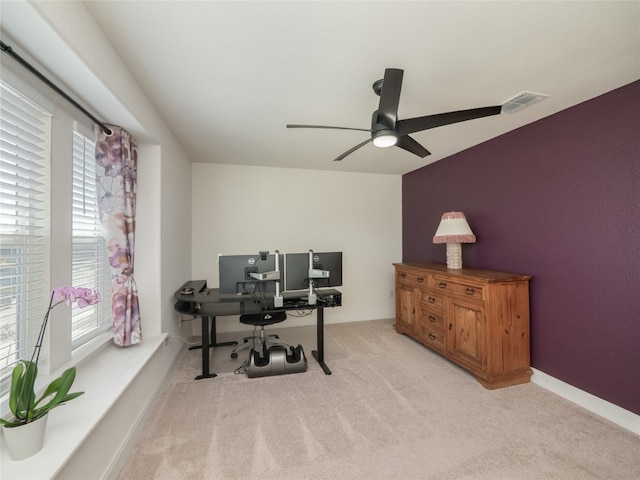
x: 116, y: 176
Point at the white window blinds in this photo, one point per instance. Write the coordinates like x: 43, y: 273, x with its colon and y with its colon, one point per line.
x: 90, y: 267
x: 25, y: 136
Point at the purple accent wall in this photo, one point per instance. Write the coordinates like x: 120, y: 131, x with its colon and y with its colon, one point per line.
x: 558, y: 199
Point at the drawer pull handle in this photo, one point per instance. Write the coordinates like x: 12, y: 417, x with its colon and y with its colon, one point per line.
x: 431, y: 300
x: 470, y: 291
x: 420, y: 279
x: 431, y: 318
x: 442, y: 284
x: 403, y: 275
x: 432, y: 336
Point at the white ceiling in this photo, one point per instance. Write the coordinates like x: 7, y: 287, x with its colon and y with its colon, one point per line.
x: 228, y: 76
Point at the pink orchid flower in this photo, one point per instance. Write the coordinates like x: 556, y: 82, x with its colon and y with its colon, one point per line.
x: 70, y: 295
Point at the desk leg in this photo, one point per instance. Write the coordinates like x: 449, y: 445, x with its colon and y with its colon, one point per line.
x: 205, y: 348
x: 319, y: 354
x: 214, y: 342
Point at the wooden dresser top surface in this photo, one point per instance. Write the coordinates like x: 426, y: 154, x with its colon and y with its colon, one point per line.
x: 485, y: 275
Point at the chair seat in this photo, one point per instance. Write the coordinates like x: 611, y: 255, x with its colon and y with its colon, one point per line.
x: 260, y: 320
x: 263, y: 318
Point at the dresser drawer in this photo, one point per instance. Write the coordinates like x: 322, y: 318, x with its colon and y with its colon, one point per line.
x: 431, y: 338
x: 432, y: 321
x: 466, y: 290
x: 432, y: 302
x: 411, y: 278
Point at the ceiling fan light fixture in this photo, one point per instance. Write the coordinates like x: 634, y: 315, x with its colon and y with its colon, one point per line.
x: 385, y: 138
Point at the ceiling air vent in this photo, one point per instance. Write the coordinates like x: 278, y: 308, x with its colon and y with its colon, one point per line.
x: 521, y: 101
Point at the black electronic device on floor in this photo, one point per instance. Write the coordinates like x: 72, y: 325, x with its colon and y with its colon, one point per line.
x: 276, y: 360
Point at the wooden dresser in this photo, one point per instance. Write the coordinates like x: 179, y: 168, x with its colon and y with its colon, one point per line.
x: 478, y: 319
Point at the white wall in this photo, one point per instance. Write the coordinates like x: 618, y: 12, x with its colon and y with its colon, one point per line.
x: 242, y: 210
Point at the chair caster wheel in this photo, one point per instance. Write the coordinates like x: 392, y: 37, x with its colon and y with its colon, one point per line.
x: 234, y: 355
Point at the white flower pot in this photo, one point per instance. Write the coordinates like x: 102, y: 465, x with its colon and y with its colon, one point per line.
x: 25, y: 440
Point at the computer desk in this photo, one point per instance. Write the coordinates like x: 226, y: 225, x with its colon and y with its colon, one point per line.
x: 209, y: 303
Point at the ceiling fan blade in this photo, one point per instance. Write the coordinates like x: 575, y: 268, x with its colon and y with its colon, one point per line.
x: 390, y: 97
x: 333, y: 128
x: 351, y: 150
x: 411, y: 125
x: 410, y: 145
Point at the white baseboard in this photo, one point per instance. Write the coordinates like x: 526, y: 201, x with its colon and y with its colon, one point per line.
x: 608, y: 410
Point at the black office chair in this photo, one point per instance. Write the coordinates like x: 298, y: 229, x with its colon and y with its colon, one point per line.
x: 262, y: 342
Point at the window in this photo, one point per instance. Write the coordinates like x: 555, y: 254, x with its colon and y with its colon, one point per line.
x: 90, y: 268
x: 44, y: 206
x: 25, y: 135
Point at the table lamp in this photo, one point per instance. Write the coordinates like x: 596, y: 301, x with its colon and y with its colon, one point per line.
x: 454, y: 231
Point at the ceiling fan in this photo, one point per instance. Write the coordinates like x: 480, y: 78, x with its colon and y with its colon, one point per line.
x: 387, y: 130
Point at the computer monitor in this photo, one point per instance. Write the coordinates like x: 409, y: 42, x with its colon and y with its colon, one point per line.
x: 297, y: 270
x: 234, y: 273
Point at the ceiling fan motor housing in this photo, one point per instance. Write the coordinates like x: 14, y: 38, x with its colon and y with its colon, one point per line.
x: 382, y: 135
x: 377, y: 86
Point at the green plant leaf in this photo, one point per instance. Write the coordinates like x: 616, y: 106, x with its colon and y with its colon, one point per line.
x: 59, y: 388
x: 53, y: 387
x: 16, y: 386
x: 9, y: 424
x: 22, y: 395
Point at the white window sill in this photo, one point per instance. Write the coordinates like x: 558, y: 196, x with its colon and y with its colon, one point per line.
x: 103, y: 375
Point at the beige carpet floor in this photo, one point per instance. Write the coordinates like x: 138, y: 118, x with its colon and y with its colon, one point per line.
x: 392, y: 409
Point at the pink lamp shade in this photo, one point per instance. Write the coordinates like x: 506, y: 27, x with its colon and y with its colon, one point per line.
x: 454, y: 228
x: 454, y: 231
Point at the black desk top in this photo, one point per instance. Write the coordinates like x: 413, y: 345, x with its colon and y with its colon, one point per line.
x: 209, y: 301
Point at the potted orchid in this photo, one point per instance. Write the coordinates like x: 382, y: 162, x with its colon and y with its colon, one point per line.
x: 28, y: 410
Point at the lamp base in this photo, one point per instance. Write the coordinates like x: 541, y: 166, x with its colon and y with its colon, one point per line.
x: 454, y: 255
